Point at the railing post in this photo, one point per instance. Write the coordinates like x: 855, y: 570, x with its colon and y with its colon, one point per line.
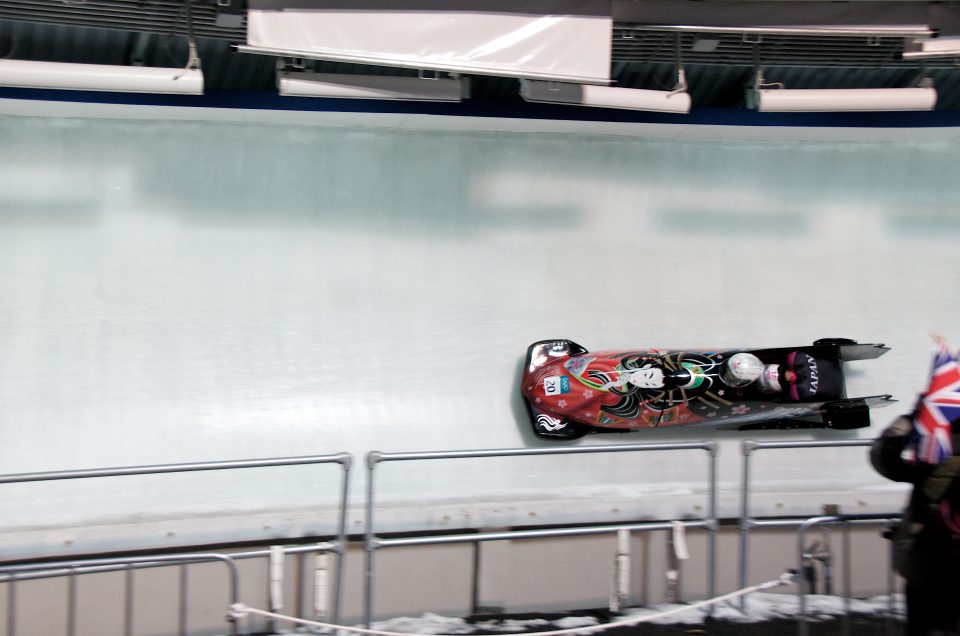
x: 802, y: 626
x: 184, y: 581
x: 847, y: 576
x: 12, y: 606
x: 71, y: 603
x: 746, y: 448
x: 712, y: 527
x: 128, y: 591
x: 373, y: 458
x: 346, y: 462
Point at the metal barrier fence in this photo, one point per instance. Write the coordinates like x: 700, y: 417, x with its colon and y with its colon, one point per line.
x: 804, y: 557
x: 372, y: 542
x: 11, y: 574
x: 70, y: 569
x: 14, y: 573
x: 748, y: 523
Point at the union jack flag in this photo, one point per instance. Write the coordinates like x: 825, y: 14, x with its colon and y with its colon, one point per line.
x: 938, y: 407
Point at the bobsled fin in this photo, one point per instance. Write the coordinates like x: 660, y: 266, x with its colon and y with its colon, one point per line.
x: 837, y: 414
x: 846, y: 414
x: 781, y: 425
x: 862, y: 351
x: 847, y: 349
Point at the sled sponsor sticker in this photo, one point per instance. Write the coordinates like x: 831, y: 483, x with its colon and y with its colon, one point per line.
x: 577, y: 366
x: 556, y: 385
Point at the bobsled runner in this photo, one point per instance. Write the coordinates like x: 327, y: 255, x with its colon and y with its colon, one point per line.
x: 570, y: 391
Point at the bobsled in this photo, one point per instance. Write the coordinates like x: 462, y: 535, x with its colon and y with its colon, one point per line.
x: 570, y: 391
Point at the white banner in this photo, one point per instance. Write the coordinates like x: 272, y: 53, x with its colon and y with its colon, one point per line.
x: 571, y: 46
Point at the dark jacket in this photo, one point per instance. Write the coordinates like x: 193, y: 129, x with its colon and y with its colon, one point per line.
x: 924, y: 552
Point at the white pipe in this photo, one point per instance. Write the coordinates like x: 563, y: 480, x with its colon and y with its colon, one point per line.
x: 842, y: 100
x: 444, y: 89
x: 100, y: 77
x: 622, y: 576
x: 636, y: 99
x: 605, y: 96
x: 677, y: 544
x: 321, y: 577
x: 680, y: 541
x: 277, y: 556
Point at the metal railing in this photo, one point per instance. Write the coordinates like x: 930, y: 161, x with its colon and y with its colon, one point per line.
x: 71, y: 569
x: 14, y: 573
x: 748, y: 523
x: 11, y: 574
x: 372, y: 542
x: 804, y: 557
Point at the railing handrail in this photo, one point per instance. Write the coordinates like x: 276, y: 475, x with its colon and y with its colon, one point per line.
x: 377, y: 456
x: 155, y: 469
x: 345, y: 460
x: 746, y: 521
x: 373, y: 458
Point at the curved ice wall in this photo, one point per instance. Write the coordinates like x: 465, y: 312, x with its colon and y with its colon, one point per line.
x: 179, y: 289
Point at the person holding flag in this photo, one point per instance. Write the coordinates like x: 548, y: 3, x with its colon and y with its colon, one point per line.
x: 923, y: 448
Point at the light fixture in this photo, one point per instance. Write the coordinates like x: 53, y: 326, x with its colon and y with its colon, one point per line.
x: 675, y: 101
x: 773, y: 98
x: 100, y: 77
x: 230, y: 14
x: 335, y: 85
x: 929, y: 48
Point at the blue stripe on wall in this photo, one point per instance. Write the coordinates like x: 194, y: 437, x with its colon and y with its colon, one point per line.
x: 262, y: 100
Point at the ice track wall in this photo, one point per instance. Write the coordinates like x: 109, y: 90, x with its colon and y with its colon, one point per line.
x: 174, y: 289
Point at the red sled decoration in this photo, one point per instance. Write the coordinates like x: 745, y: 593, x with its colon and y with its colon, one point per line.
x: 570, y: 391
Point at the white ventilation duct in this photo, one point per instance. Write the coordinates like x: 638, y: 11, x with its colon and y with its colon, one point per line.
x: 779, y: 100
x: 100, y: 77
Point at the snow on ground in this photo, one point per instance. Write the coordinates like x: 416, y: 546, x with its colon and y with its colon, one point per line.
x: 760, y: 607
x: 765, y: 606
x: 764, y: 614
x: 434, y: 624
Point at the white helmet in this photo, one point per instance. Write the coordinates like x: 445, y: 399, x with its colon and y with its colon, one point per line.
x: 742, y: 369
